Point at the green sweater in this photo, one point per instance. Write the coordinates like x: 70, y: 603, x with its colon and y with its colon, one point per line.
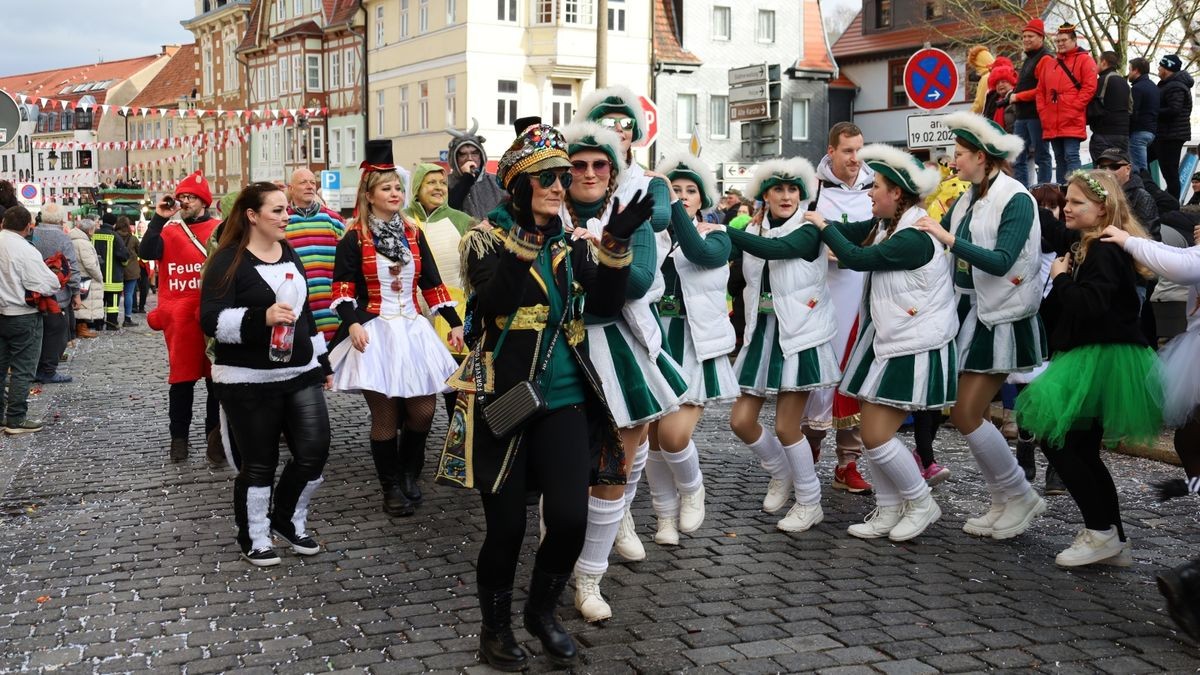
x: 908, y: 249
x: 1016, y: 220
x: 562, y: 383
x: 709, y: 252
x: 660, y: 190
x: 642, y: 243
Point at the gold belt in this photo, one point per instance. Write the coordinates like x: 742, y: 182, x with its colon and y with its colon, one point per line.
x: 533, y: 317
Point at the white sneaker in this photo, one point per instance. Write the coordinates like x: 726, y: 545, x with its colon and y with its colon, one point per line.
x: 918, y: 515
x: 588, y: 600
x: 1122, y: 559
x: 1090, y: 546
x: 982, y: 526
x: 801, y: 517
x: 1018, y: 515
x: 878, y: 523
x: 778, y: 493
x: 627, y: 544
x: 668, y: 532
x: 691, y: 510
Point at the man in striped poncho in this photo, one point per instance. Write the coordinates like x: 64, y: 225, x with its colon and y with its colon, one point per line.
x: 314, y: 231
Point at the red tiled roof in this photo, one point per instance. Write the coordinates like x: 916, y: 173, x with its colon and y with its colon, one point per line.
x: 177, y: 78
x: 340, y: 11
x: 253, y: 25
x: 306, y: 29
x: 842, y: 82
x: 816, y: 56
x: 666, y: 41
x: 50, y: 83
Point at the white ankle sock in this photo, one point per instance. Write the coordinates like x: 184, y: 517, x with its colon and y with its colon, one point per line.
x: 604, y: 518
x: 635, y: 472
x: 769, y: 451
x: 663, y: 493
x: 685, y: 468
x: 1005, y: 479
x: 804, y: 476
x: 895, y: 460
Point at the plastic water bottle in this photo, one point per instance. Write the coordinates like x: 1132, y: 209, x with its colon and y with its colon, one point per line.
x: 282, y: 334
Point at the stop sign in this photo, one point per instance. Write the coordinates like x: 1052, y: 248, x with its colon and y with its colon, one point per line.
x: 651, y: 132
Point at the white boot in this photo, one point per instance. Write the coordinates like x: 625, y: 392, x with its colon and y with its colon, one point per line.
x: 878, y: 523
x: 983, y: 525
x: 1018, y: 514
x: 668, y: 531
x: 627, y: 544
x: 779, y: 491
x: 588, y: 600
x: 919, y: 514
x: 801, y: 517
x: 1091, y: 546
x: 691, y: 510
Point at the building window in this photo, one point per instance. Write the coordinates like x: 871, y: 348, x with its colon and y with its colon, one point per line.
x: 380, y: 110
x: 280, y: 10
x: 577, y: 12
x: 316, y: 136
x: 934, y: 10
x: 722, y: 21
x: 616, y: 15
x: 883, y: 13
x: 422, y: 16
x: 170, y: 128
x: 766, y: 26
x: 352, y: 146
x: 41, y: 161
x: 451, y: 12
x: 315, y: 6
x: 718, y: 117
x: 685, y: 115
x: 451, y: 101
x: 208, y: 72
x: 264, y: 146
x: 297, y: 7
x: 234, y: 166
x: 274, y: 82
x: 800, y: 120
x: 403, y: 19
x: 260, y: 85
x: 544, y: 11
x: 231, y: 65
x: 562, y: 103
x: 335, y: 70
x: 897, y: 97
x: 335, y: 147
x: 289, y: 145
x: 379, y: 26
x: 506, y: 102
x: 422, y: 105
x: 404, y: 109
x: 297, y: 72
x: 66, y: 161
x: 314, y: 71
x: 283, y: 75
x: 506, y: 10
x: 351, y: 67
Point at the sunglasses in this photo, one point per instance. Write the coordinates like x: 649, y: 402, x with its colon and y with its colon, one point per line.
x: 394, y: 269
x: 1109, y: 167
x: 546, y: 179
x: 626, y: 123
x: 600, y: 167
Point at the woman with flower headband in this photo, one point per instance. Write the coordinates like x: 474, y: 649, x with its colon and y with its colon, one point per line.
x: 995, y: 236
x: 905, y: 358
x: 385, y: 348
x: 1102, y: 384
x: 530, y: 281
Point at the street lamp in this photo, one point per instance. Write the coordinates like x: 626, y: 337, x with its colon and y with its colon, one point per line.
x: 52, y: 158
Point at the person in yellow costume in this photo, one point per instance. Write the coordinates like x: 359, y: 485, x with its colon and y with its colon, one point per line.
x: 981, y: 60
x: 948, y: 191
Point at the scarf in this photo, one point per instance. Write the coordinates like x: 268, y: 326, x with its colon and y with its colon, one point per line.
x: 390, y: 239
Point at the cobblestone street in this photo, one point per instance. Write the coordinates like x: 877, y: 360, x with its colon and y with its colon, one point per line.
x: 115, y: 559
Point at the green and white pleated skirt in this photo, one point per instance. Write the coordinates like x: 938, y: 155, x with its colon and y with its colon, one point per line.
x: 1015, y: 347
x: 923, y: 381
x: 707, y: 381
x: 761, y: 368
x: 638, y: 389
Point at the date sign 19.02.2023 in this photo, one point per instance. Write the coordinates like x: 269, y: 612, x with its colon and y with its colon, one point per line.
x: 927, y: 131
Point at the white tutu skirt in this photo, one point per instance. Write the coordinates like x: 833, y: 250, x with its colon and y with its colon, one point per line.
x: 1181, y: 378
x: 404, y: 358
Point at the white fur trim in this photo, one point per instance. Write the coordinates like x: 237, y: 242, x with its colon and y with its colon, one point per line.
x: 604, y: 136
x: 275, y: 274
x: 226, y: 374
x: 927, y: 179
x: 1011, y: 144
x: 229, y: 325
x: 448, y: 303
x: 300, y: 515
x: 794, y: 167
x: 258, y: 505
x: 589, y: 103
x: 692, y: 163
x: 333, y: 305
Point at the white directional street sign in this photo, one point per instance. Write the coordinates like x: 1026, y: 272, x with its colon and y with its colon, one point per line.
x: 928, y: 131
x: 748, y: 93
x: 748, y: 75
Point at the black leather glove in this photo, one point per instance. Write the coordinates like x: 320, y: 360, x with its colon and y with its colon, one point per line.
x: 625, y: 220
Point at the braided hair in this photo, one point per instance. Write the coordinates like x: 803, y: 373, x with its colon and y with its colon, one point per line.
x: 907, y: 201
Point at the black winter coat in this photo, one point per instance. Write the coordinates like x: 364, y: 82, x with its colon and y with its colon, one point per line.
x: 1141, y: 202
x: 1113, y: 111
x: 1175, y: 109
x: 1145, y: 105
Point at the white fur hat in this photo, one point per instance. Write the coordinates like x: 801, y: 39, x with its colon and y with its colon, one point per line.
x: 690, y: 167
x: 615, y: 99
x: 985, y: 135
x: 797, y: 171
x: 900, y: 167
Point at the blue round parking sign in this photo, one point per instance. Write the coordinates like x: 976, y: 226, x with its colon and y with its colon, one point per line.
x: 930, y: 79
x: 29, y: 191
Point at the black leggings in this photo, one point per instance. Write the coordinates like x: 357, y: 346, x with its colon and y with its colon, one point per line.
x: 1079, y: 464
x: 256, y: 423
x: 1187, y: 444
x: 180, y: 399
x: 553, y: 456
x: 925, y: 428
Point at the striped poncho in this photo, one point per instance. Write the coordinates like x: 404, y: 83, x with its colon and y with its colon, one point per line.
x: 315, y: 238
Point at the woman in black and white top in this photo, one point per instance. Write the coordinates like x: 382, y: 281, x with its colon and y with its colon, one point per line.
x: 262, y: 397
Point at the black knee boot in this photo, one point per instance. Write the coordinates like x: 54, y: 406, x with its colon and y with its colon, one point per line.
x: 540, y: 621
x: 497, y: 646
x: 1181, y: 588
x: 387, y: 467
x: 412, y: 460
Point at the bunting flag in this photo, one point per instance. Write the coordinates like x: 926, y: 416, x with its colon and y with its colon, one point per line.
x: 199, y: 113
x: 218, y: 138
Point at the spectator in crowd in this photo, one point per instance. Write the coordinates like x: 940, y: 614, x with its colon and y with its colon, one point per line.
x: 131, y: 270
x: 1144, y: 122
x: 1141, y: 203
x: 91, y: 278
x: 1195, y: 200
x: 444, y: 227
x: 1110, y: 112
x: 999, y: 107
x: 1174, y: 119
x: 472, y: 189
x: 112, y: 254
x: 21, y: 271
x: 313, y: 231
x: 8, y: 195
x: 731, y: 200
x: 58, y: 253
x: 981, y: 61
x: 1027, y: 124
x: 1065, y: 87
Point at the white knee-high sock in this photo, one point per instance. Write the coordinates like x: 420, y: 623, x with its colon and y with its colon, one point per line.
x: 804, y: 476
x: 663, y: 493
x: 258, y: 504
x: 770, y: 454
x: 1004, y: 477
x: 604, y: 518
x: 886, y: 493
x: 635, y: 472
x: 685, y: 468
x: 895, y: 460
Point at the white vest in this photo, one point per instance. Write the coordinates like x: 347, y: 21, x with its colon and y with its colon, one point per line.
x: 913, y: 310
x: 803, y: 309
x: 704, y: 291
x: 1017, y: 294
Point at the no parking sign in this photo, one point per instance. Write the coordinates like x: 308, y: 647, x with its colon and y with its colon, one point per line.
x: 29, y: 194
x: 930, y: 79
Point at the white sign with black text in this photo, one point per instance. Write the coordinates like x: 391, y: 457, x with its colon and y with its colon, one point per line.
x: 927, y: 131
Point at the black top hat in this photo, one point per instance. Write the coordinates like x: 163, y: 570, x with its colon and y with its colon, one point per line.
x: 524, y: 123
x: 378, y: 156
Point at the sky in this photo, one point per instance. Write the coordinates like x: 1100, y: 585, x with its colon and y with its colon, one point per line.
x: 49, y: 34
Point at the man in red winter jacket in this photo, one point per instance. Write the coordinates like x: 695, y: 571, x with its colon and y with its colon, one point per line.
x: 1066, y: 86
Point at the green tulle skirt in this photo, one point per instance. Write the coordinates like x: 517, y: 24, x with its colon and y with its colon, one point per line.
x: 1117, y: 385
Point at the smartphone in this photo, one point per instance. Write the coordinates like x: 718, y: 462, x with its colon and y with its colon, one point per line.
x: 168, y: 201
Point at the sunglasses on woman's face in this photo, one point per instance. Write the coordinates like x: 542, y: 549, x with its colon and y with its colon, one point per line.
x: 546, y: 179
x: 626, y: 123
x: 394, y: 269
x: 600, y: 167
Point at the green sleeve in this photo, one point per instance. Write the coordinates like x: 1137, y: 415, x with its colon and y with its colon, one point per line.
x: 804, y: 242
x: 709, y: 252
x: 645, y: 261
x: 906, y: 250
x: 660, y: 190
x: 1015, y: 223
x: 853, y: 231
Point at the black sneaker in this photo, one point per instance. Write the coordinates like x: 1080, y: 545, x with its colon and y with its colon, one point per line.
x: 25, y: 426
x: 128, y: 323
x: 261, y: 557
x: 305, y: 545
x: 179, y: 449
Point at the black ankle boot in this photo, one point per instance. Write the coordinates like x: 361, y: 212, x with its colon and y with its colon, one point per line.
x: 1181, y: 588
x: 540, y: 621
x: 1054, y: 484
x: 1025, y: 456
x: 387, y: 467
x: 412, y: 461
x: 497, y: 646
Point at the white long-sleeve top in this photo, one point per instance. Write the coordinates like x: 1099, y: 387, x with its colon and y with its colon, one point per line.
x: 1180, y: 265
x: 21, y: 269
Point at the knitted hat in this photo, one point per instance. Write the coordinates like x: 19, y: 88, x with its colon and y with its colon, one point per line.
x: 195, y: 185
x: 537, y: 147
x: 1035, y: 26
x: 591, y: 136
x: 1171, y: 62
x: 796, y: 171
x: 1002, y: 74
x: 615, y: 99
x: 901, y: 168
x: 690, y: 167
x: 984, y: 134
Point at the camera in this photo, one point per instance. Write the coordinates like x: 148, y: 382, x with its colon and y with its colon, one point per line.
x: 168, y: 202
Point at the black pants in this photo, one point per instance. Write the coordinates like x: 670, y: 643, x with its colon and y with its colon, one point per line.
x: 54, y: 343
x: 180, y: 399
x: 143, y: 292
x: 925, y: 428
x: 1167, y: 152
x: 1082, y: 470
x: 112, y: 309
x: 553, y: 456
